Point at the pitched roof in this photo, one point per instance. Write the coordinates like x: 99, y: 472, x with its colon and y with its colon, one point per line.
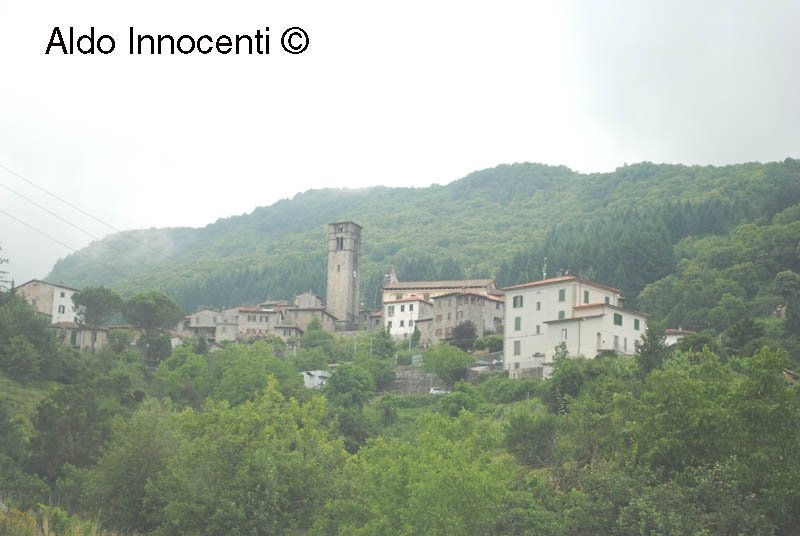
x: 409, y: 299
x: 562, y: 279
x: 494, y: 297
x: 47, y: 283
x: 454, y: 284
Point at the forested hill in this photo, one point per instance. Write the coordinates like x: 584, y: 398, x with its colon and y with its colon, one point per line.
x: 625, y: 228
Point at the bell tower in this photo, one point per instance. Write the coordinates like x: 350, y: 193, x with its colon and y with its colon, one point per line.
x: 344, y: 272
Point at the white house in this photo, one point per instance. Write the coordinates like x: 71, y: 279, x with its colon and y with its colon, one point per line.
x: 587, y: 317
x: 674, y: 336
x: 399, y: 316
x: 51, y: 300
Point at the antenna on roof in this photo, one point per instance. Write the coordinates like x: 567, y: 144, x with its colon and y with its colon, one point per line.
x: 544, y: 269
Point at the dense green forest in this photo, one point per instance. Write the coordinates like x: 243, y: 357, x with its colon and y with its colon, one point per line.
x: 694, y: 439
x: 629, y: 228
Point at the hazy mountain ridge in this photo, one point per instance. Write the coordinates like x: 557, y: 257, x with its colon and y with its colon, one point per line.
x: 474, y: 226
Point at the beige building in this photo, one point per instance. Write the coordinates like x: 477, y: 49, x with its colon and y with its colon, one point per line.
x: 50, y: 300
x: 485, y: 311
x: 80, y: 336
x: 587, y: 317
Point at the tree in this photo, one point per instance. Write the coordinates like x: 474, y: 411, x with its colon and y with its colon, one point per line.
x: 116, y: 487
x: 262, y: 467
x: 651, y: 350
x: 152, y: 311
x: 350, y: 386
x: 464, y: 335
x: 70, y: 426
x: 448, y: 362
x: 99, y: 304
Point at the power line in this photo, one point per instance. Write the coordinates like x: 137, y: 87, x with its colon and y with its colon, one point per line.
x: 57, y: 241
x: 123, y: 233
x: 87, y: 233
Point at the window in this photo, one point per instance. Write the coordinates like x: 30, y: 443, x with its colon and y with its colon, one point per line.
x: 625, y: 344
x: 410, y: 306
x: 389, y: 324
x: 497, y: 305
x: 607, y: 300
x: 338, y: 268
x: 636, y: 324
x: 73, y: 338
x: 562, y: 294
x: 561, y: 315
x: 402, y: 323
x: 517, y: 302
x: 439, y: 332
x: 563, y: 334
x: 538, y: 329
x: 62, y: 295
x: 391, y: 311
x: 585, y: 296
x: 410, y: 323
x: 61, y: 309
x: 402, y: 308
x: 517, y: 347
x: 516, y: 365
x: 616, y: 342
x: 517, y: 323
x: 538, y: 306
x: 617, y: 319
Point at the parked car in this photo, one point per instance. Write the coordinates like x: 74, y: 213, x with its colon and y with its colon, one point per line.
x: 438, y: 391
x: 482, y: 363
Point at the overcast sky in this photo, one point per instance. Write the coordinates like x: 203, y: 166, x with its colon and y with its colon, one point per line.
x: 397, y: 94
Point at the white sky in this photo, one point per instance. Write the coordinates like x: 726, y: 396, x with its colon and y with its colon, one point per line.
x: 398, y: 94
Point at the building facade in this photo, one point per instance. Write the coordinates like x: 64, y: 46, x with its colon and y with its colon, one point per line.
x: 485, y: 311
x: 50, y: 300
x: 344, y: 273
x: 400, y: 316
x: 588, y: 318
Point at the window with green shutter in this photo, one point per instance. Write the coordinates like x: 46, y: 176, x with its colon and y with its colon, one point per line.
x: 562, y: 294
x: 561, y: 315
x: 517, y: 323
x: 585, y: 296
x: 636, y: 324
x: 617, y: 319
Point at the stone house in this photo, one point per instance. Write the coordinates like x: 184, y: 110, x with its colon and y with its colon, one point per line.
x: 485, y: 311
x: 50, y: 300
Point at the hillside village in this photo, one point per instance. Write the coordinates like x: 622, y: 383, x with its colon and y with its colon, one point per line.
x: 564, y: 313
x: 556, y: 404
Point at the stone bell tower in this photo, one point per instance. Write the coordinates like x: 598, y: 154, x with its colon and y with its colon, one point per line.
x: 344, y: 273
